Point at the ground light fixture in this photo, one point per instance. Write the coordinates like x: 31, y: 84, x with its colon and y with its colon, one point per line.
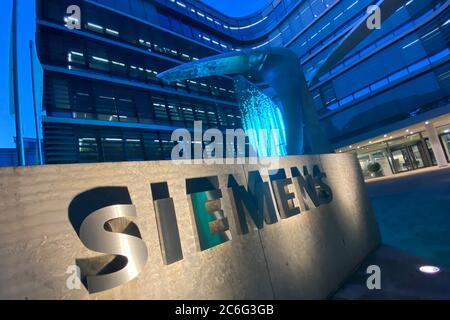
x: 429, y: 269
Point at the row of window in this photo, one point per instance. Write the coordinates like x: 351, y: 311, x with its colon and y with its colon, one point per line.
x: 131, y: 146
x: 380, y: 120
x: 342, y: 21
x: 84, y: 99
x: 152, y: 45
x: 306, y: 13
x: 190, y: 10
x: 431, y: 37
x: 300, y: 20
x: 124, y: 146
x: 130, y: 31
x: 328, y: 41
x: 75, y: 144
x: 370, y: 48
x: 328, y: 97
x: 78, y: 53
x: 171, y: 23
x: 247, y: 29
x: 180, y: 27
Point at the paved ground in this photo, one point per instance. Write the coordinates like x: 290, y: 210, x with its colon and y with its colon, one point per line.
x: 413, y: 213
x: 400, y: 278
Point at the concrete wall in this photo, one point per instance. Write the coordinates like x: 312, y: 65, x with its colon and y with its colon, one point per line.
x: 305, y: 256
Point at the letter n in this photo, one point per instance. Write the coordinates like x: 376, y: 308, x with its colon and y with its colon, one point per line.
x: 305, y: 189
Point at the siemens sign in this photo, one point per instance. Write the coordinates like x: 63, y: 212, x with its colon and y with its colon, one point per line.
x: 293, y: 229
x: 109, y: 230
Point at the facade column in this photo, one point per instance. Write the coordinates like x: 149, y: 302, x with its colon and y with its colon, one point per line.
x: 436, y: 145
x: 17, y: 101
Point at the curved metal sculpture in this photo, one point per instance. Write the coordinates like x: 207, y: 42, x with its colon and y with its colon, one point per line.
x: 279, y: 69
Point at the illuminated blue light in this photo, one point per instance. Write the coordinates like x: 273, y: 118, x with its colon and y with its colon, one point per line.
x: 440, y: 55
x: 262, y: 119
x: 362, y: 92
x: 398, y: 75
x: 333, y: 106
x: 346, y: 100
x: 418, y: 65
x: 393, y: 77
x: 379, y: 84
x: 380, y: 42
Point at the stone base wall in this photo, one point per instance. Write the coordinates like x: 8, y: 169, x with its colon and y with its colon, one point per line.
x: 306, y: 256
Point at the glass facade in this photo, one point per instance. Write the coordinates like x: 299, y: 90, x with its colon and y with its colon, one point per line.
x: 103, y: 101
x: 21, y: 86
x: 100, y: 98
x: 405, y: 152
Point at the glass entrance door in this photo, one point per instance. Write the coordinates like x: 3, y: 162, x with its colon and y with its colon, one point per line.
x: 417, y: 155
x: 401, y: 160
x: 406, y: 158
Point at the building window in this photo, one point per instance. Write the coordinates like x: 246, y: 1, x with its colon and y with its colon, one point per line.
x: 133, y: 147
x: 328, y: 94
x: 112, y: 147
x: 88, y: 149
x: 152, y: 146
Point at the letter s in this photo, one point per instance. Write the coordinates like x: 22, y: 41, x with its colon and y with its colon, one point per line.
x: 325, y: 193
x: 95, y: 237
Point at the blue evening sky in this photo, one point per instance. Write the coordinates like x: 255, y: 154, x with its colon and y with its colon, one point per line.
x: 237, y: 8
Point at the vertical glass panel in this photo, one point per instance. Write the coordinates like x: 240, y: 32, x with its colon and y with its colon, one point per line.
x: 400, y: 160
x: 106, y: 107
x: 167, y: 146
x: 328, y: 94
x: 126, y: 109
x: 112, y: 145
x: 88, y: 149
x: 160, y: 108
x: 133, y: 147
x: 188, y: 115
x: 175, y: 112
x: 152, y: 146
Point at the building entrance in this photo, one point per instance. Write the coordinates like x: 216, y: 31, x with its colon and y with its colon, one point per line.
x: 403, y: 150
x: 409, y: 157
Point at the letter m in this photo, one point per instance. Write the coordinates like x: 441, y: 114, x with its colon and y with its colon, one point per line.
x: 252, y: 205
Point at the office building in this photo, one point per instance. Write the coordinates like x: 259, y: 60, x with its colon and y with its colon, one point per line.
x: 387, y: 100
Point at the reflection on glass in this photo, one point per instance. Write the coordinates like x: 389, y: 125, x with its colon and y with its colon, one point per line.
x: 417, y: 158
x: 369, y: 161
x: 446, y: 142
x: 401, y: 161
